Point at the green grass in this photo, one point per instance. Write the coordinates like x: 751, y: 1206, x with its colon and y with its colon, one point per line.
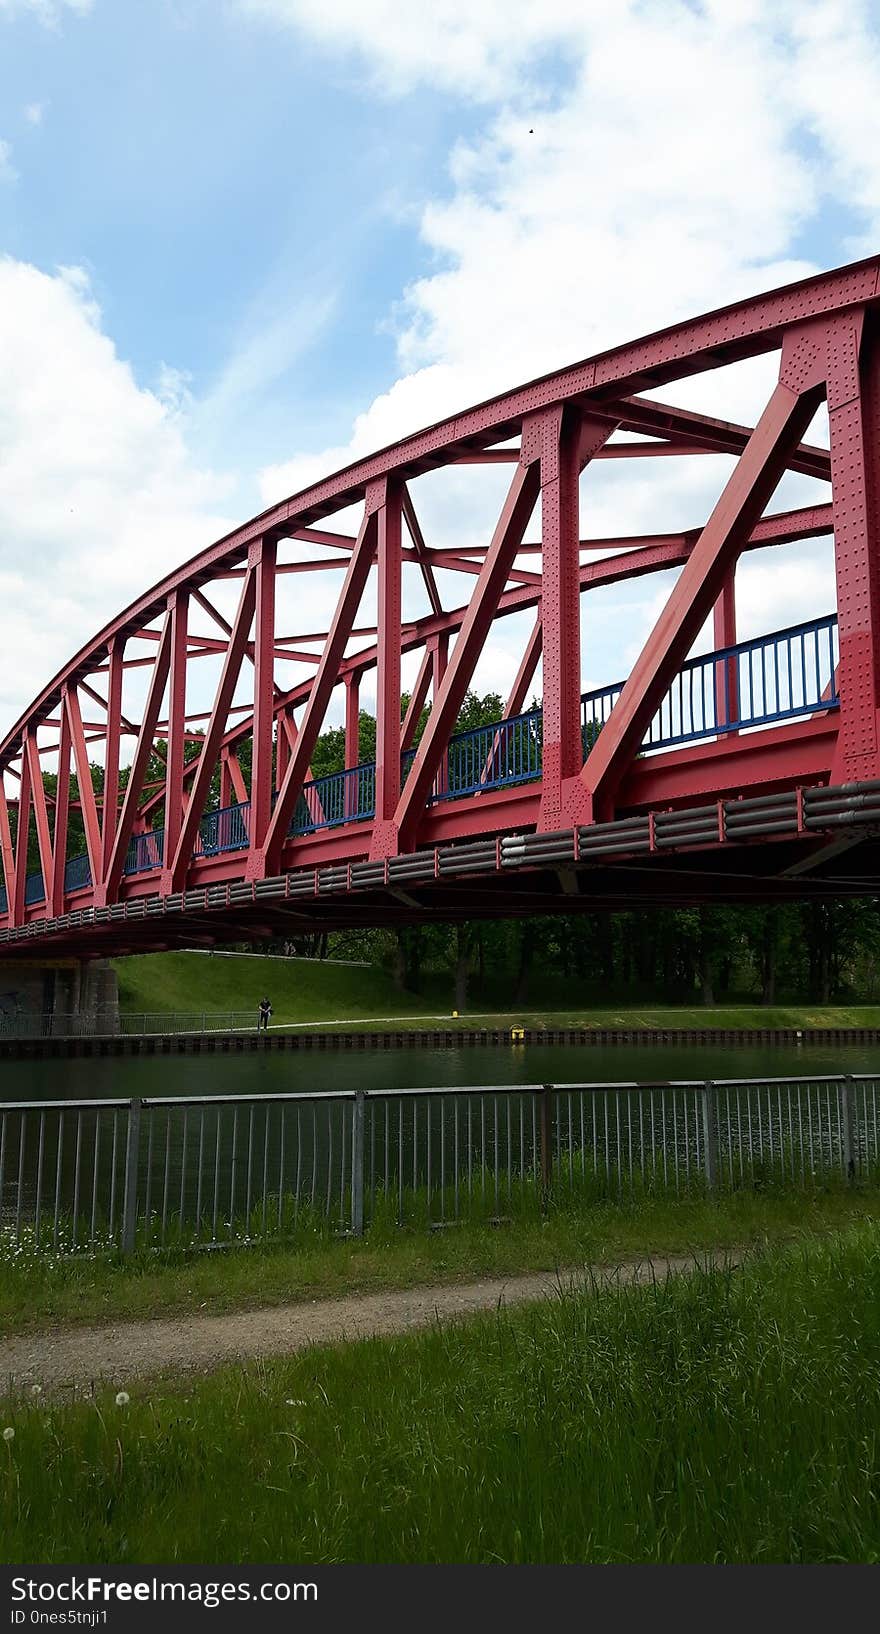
x: 306, y: 991
x: 723, y: 1416
x: 642, y: 1018
x: 40, y: 1290
x: 300, y: 989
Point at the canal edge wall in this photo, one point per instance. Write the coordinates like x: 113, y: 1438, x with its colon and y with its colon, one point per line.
x: 234, y: 1043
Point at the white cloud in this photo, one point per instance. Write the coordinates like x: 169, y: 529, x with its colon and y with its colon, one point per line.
x: 486, y: 51
x: 98, y: 494
x: 662, y: 173
x: 8, y: 173
x: 34, y: 113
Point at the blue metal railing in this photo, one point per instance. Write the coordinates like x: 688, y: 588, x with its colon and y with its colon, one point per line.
x: 77, y: 874
x: 491, y: 757
x: 772, y: 678
x: 34, y: 890
x: 755, y: 683
x: 342, y: 797
x: 225, y: 829
x: 145, y: 852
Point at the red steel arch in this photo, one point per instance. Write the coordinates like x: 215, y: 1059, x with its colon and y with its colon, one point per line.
x: 546, y: 434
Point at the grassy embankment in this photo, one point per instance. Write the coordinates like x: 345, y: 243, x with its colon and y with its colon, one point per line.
x: 39, y: 1290
x: 306, y: 992
x: 722, y: 1416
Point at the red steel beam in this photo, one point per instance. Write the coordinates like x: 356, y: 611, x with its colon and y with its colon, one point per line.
x: 326, y: 677
x: 178, y: 608
x: 390, y: 515
x: 134, y: 787
x: 417, y: 700
x: 418, y: 539
x: 518, y: 507
x: 724, y: 635
x: 55, y: 885
x: 853, y: 369
x: 22, y: 832
x: 41, y: 815
x: 87, y: 802
x: 780, y: 428
x: 110, y: 803
x: 7, y: 855
x: 745, y: 329
x: 177, y: 861
x: 563, y: 442
x: 264, y: 695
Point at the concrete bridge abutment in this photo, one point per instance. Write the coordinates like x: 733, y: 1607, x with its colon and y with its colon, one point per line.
x: 61, y: 989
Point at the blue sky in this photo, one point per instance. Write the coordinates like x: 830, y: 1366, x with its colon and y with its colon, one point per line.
x: 244, y: 240
x: 218, y: 179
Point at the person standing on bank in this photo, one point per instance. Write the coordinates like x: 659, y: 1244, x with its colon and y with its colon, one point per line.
x: 263, y: 1017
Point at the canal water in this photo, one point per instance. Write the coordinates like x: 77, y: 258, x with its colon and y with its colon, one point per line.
x: 285, y: 1072
x: 223, y: 1169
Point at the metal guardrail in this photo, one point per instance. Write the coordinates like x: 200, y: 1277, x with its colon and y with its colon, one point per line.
x: 214, y: 1170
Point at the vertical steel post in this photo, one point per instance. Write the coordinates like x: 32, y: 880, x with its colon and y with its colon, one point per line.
x: 325, y: 678
x: 134, y: 787
x: 727, y: 672
x: 554, y: 436
x: 846, y: 1091
x: 854, y: 425
x: 178, y: 609
x: 476, y: 624
x: 264, y: 699
x: 358, y: 1107
x: 130, y: 1188
x: 545, y: 1138
x: 110, y: 802
x: 22, y: 831
x: 55, y: 886
x: 710, y: 1134
x: 352, y: 739
x: 225, y: 780
x: 388, y: 674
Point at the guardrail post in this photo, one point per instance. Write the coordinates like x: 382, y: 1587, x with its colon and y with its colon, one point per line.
x: 132, y: 1156
x: 710, y: 1134
x: 847, y: 1124
x: 357, y: 1163
x: 545, y: 1138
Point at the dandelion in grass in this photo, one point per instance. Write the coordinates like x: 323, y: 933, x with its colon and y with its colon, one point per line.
x: 9, y: 1433
x: 36, y: 1389
x: 294, y: 1401
x: 122, y: 1398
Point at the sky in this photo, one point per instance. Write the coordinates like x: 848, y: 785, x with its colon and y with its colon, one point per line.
x: 244, y: 241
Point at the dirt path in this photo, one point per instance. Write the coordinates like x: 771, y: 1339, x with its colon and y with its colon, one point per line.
x: 64, y: 1360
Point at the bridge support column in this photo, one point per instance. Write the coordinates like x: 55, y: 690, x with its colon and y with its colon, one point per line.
x: 727, y: 671
x: 264, y: 711
x: 385, y: 832
x: 854, y: 418
x: 564, y: 442
x: 178, y: 612
x: 84, y: 989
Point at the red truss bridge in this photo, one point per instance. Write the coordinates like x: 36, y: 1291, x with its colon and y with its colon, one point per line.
x: 751, y: 771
